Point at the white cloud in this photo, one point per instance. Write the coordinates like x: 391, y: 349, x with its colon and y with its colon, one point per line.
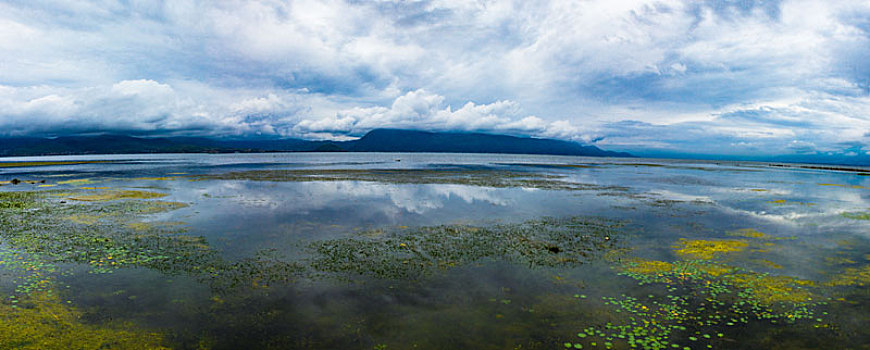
x: 695, y: 74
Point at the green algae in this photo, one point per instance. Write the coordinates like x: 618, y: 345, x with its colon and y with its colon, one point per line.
x: 17, y: 200
x: 35, y: 316
x: 750, y: 233
x: 85, y: 219
x: 708, y: 249
x: 76, y: 182
x: 42, y: 321
x: 861, y: 215
x: 784, y: 201
x: 106, y: 236
x: 703, y: 298
x: 706, y: 297
x: 847, y: 186
x: 112, y: 195
x: 648, y: 267
x: 852, y: 276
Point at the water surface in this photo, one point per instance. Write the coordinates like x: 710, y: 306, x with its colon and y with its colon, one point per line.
x: 430, y: 251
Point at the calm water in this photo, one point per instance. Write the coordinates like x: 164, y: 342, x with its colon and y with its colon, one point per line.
x: 350, y: 251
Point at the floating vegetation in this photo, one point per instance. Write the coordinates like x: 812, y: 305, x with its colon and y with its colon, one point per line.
x: 750, y: 233
x: 42, y: 321
x: 649, y: 267
x: 161, y: 178
x: 112, y: 195
x: 768, y: 263
x: 35, y: 317
x: 416, y: 252
x: 853, y: 276
x: 486, y: 178
x: 861, y: 215
x: 708, y: 249
x: 758, y: 235
x: 769, y: 290
x: 85, y: 219
x: 784, y: 201
x: 849, y: 186
x: 17, y: 200
x: 152, y: 225
x: 704, y: 299
x: 107, y: 236
x: 76, y: 182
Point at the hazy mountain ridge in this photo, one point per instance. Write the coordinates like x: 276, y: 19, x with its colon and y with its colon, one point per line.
x: 378, y: 140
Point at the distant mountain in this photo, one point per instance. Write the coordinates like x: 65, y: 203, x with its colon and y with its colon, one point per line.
x: 392, y: 140
x: 379, y: 140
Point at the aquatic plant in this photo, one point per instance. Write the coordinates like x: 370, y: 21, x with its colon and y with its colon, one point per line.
x: 17, y: 200
x: 77, y: 182
x: 42, y: 321
x: 417, y: 252
x: 849, y: 186
x: 852, y: 276
x: 111, y: 235
x: 704, y: 299
x: 784, y: 201
x: 861, y: 215
x: 34, y: 316
x: 476, y: 177
x: 708, y: 249
x: 111, y: 195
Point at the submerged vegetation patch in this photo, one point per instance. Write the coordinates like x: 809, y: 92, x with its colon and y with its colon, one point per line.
x: 696, y: 301
x: 110, y: 235
x: 708, y: 249
x: 860, y: 215
x: 35, y: 317
x: 416, y: 252
x: 848, y: 186
x: 852, y: 276
x: 111, y: 195
x: 486, y: 178
x: 42, y: 321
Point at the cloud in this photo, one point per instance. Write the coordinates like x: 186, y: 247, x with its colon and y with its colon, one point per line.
x: 423, y: 110
x: 143, y: 107
x: 678, y: 75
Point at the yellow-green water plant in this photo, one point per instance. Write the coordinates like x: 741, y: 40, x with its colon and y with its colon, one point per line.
x: 33, y: 315
x: 695, y: 301
x: 694, y: 304
x: 859, y: 215
x: 708, y: 249
x: 111, y: 195
x: 42, y: 321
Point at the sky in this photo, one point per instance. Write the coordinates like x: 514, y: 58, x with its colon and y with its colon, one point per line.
x: 722, y: 77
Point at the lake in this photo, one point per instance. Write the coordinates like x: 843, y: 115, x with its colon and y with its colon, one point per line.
x: 430, y: 251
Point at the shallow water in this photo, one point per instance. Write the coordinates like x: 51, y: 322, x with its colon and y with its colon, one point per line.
x: 431, y: 251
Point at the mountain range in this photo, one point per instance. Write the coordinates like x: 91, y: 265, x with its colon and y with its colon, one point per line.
x: 378, y: 140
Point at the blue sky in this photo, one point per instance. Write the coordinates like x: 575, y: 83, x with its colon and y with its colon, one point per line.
x: 706, y: 77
